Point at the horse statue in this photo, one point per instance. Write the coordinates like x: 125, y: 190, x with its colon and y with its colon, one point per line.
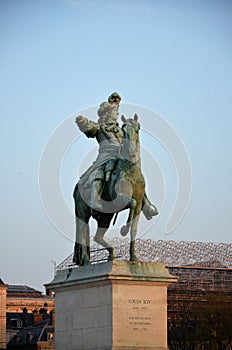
x: 125, y: 189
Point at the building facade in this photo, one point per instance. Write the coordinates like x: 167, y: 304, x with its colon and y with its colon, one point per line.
x: 200, y: 307
x: 26, y: 315
x: 3, y: 288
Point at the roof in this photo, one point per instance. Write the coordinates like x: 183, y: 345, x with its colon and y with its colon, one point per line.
x: 32, y: 334
x: 1, y: 281
x: 17, y: 288
x: 23, y: 291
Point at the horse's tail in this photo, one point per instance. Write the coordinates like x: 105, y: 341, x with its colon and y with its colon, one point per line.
x: 82, y: 214
x: 82, y: 208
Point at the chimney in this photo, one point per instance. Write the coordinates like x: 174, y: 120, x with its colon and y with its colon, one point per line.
x: 49, y: 292
x: 37, y: 317
x: 52, y: 318
x: 25, y: 316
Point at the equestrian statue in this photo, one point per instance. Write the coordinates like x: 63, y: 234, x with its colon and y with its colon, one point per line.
x: 114, y: 182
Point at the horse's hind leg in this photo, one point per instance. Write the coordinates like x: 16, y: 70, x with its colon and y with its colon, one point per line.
x: 99, y: 239
x: 103, y: 225
x: 82, y: 245
x: 133, y: 233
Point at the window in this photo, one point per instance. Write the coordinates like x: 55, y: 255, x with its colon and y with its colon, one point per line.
x: 50, y: 336
x: 16, y: 323
x: 19, y: 323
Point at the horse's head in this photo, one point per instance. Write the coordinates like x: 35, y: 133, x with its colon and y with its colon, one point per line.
x: 131, y: 145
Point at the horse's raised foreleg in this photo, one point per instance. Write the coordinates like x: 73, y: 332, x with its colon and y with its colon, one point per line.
x: 125, y: 229
x: 133, y: 232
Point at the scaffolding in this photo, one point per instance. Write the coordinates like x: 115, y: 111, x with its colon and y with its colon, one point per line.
x: 172, y: 253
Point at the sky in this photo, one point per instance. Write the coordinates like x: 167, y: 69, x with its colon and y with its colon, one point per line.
x: 62, y: 58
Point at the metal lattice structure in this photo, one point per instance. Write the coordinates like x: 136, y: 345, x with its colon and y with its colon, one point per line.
x: 172, y: 253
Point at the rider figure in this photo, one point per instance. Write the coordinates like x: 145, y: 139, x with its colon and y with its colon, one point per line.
x: 110, y: 138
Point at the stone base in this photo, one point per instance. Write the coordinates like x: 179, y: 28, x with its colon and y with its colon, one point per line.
x: 118, y: 305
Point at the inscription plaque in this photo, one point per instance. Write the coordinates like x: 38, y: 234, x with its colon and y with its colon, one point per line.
x: 140, y: 317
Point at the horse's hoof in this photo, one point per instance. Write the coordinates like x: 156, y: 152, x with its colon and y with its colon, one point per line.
x: 150, y: 211
x: 124, y: 230
x: 85, y: 262
x: 98, y: 240
x: 111, y: 257
x: 133, y: 258
x: 111, y: 254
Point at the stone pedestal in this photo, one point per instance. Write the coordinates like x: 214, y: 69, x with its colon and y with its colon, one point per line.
x: 118, y: 305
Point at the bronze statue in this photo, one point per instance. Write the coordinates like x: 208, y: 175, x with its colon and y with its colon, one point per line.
x: 113, y: 183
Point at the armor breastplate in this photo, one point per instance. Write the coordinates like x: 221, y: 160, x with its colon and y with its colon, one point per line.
x: 111, y: 133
